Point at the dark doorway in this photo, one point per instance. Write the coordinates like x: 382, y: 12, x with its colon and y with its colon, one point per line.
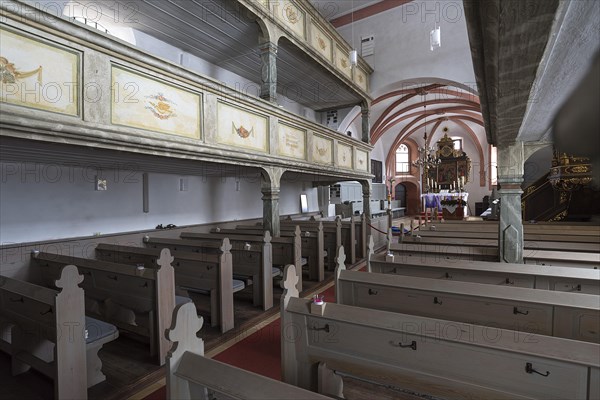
x: 400, y: 194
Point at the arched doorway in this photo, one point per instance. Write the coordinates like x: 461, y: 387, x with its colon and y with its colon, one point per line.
x: 400, y: 194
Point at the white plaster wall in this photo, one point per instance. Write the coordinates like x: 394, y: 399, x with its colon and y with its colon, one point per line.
x: 402, y: 50
x: 41, y: 201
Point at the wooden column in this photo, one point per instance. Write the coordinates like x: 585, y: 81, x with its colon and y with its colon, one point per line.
x: 270, y: 188
x: 510, y: 177
x: 366, y: 189
x: 268, y: 77
x: 365, y: 111
x: 270, y: 200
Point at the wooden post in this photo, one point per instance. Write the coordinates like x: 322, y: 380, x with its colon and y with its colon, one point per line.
x: 321, y: 246
x: 370, y: 252
x: 401, y: 233
x: 339, y: 267
x: 298, y: 255
x: 352, y: 241
x: 165, y: 300
x: 289, y: 366
x: 184, y: 326
x: 225, y: 287
x: 70, y: 353
x: 363, y: 233
x: 338, y: 231
x: 266, y: 276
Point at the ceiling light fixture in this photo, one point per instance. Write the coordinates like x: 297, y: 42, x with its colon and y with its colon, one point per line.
x: 435, y: 38
x: 353, y: 52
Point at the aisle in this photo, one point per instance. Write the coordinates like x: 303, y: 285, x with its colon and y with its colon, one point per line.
x: 257, y: 350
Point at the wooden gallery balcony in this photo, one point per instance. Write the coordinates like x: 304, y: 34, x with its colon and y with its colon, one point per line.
x: 72, y: 84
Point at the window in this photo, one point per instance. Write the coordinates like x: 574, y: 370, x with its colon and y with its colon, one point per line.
x: 457, y: 143
x: 493, y: 166
x: 402, y: 160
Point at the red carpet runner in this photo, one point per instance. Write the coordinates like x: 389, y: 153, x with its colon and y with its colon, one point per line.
x: 260, y: 352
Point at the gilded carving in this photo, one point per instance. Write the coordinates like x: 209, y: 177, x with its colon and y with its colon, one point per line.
x: 560, y: 216
x: 578, y: 169
x: 569, y: 173
x: 564, y: 197
x: 529, y: 190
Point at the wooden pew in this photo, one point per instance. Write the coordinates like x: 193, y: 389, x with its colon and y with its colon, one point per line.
x: 311, y: 242
x: 190, y: 375
x: 532, y: 237
x: 431, y: 356
x: 564, y: 279
x: 361, y: 229
x: 563, y: 259
x: 552, y: 313
x: 332, y: 234
x: 286, y: 249
x: 139, y: 300
x: 537, y: 228
x: 248, y: 264
x: 209, y: 274
x: 262, y: 241
x: 282, y: 248
x: 438, y: 253
x: 528, y: 244
x: 47, y: 331
x: 302, y: 216
x: 348, y: 234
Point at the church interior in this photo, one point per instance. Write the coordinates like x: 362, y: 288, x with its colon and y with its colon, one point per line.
x: 300, y: 199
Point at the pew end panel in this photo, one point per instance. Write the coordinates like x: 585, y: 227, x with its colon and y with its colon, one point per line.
x: 48, y: 330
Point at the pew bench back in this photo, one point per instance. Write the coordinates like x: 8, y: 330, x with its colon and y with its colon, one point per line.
x: 432, y: 356
x: 249, y: 262
x: 566, y: 279
x: 207, y: 273
x: 139, y: 300
x: 553, y: 313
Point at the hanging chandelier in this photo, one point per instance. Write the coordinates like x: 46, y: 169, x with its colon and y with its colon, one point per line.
x: 426, y: 155
x: 427, y: 158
